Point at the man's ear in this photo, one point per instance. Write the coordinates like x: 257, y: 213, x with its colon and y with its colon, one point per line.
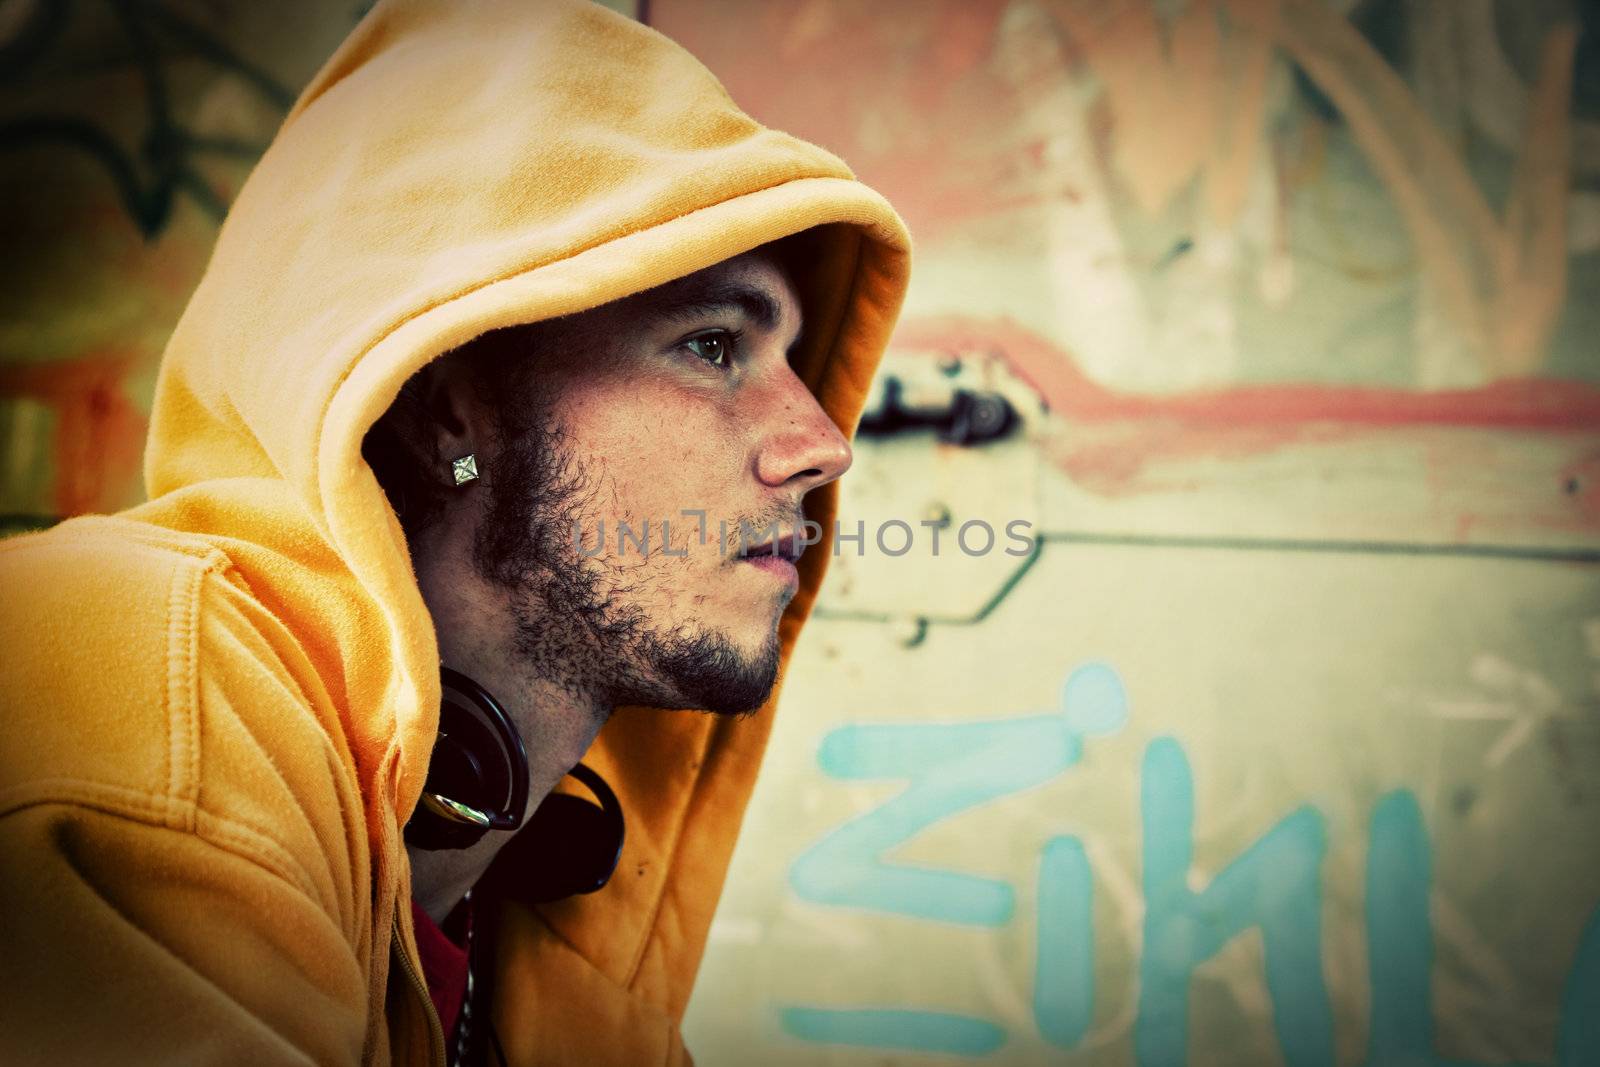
x: 454, y: 420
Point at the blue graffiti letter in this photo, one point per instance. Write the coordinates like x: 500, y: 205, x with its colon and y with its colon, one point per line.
x: 1400, y: 951
x: 951, y: 767
x: 1063, y: 984
x: 1275, y: 884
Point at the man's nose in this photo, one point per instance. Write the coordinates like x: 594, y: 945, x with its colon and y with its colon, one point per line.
x: 800, y: 446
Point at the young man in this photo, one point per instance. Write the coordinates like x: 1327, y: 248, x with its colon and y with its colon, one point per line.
x: 510, y: 275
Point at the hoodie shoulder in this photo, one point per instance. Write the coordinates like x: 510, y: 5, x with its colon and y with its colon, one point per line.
x: 141, y: 677
x: 97, y: 625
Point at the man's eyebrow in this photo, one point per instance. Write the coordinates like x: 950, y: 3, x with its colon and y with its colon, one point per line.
x: 690, y: 300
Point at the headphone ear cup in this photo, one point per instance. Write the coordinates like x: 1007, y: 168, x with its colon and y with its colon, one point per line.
x: 576, y: 835
x: 477, y: 761
x: 454, y: 771
x: 569, y: 847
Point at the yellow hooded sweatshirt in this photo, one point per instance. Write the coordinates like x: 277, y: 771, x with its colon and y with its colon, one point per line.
x: 219, y: 706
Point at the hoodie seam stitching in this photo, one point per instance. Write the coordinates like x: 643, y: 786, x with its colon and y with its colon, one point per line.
x: 182, y: 690
x: 226, y: 834
x: 69, y: 532
x: 179, y: 729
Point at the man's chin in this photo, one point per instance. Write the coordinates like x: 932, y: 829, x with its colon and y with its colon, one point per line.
x: 711, y: 673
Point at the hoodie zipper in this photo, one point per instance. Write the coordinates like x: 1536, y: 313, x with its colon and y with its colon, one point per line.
x: 420, y: 988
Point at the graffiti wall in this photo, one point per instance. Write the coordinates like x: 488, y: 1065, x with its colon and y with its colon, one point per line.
x: 124, y: 131
x: 1215, y: 679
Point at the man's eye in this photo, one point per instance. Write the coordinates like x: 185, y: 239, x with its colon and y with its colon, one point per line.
x: 712, y: 347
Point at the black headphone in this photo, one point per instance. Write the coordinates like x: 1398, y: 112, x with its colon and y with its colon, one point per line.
x: 478, y: 781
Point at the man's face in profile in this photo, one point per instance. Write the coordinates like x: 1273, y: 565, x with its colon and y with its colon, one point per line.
x: 678, y: 399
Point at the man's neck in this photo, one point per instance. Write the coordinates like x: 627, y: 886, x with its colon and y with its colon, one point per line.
x: 557, y: 719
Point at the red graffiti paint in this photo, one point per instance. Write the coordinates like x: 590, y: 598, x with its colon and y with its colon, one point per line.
x: 99, y: 434
x: 1534, y: 403
x: 1131, y: 430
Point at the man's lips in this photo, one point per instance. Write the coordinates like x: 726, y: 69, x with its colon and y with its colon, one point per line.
x: 776, y: 558
x: 787, y: 547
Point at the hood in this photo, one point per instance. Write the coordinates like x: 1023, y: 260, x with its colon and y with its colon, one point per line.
x: 454, y: 168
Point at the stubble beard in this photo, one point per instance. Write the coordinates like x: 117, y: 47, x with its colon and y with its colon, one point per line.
x: 580, y: 622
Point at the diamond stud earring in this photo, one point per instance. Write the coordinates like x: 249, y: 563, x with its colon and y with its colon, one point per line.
x: 465, y: 469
